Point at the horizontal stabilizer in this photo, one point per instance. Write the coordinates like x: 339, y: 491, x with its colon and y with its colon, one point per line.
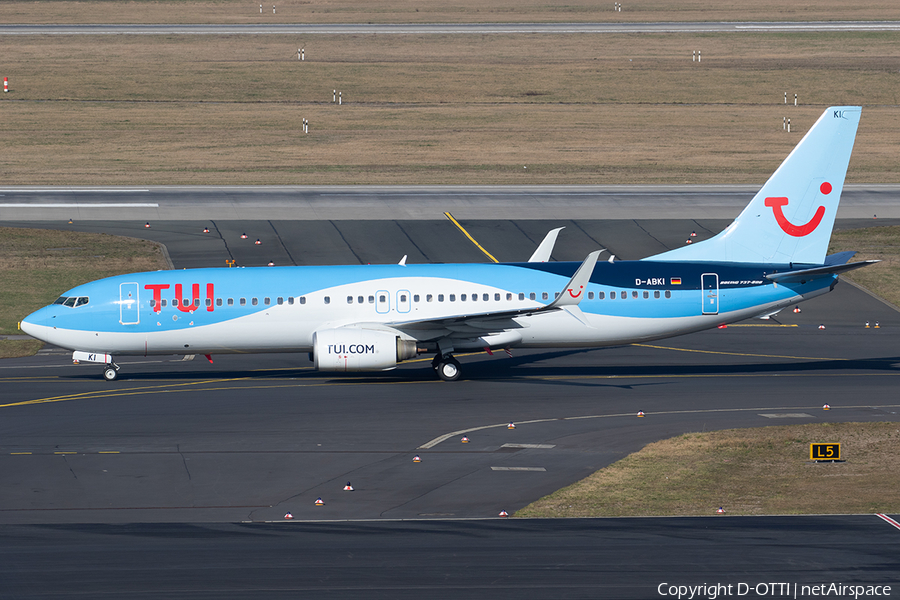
x: 805, y: 274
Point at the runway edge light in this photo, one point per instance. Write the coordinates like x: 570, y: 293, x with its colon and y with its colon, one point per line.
x: 348, y: 487
x: 320, y: 502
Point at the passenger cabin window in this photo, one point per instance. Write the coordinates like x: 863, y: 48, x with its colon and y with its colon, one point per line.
x: 668, y: 294
x: 462, y: 297
x: 623, y: 295
x: 656, y: 294
x: 428, y: 297
x: 230, y: 302
x: 360, y: 299
x: 402, y: 297
x: 440, y: 297
x: 280, y: 300
x: 612, y: 295
x: 243, y: 302
x: 532, y: 296
x: 209, y: 301
x: 302, y: 299
x: 382, y: 298
x: 267, y: 301
x: 415, y: 297
x: 327, y: 299
x: 349, y: 299
x: 590, y: 295
x: 544, y: 296
x: 521, y: 296
x: 291, y: 300
x: 164, y: 302
x: 371, y: 299
x: 646, y: 294
x: 487, y: 297
x: 218, y: 302
x: 452, y: 297
x: 634, y: 294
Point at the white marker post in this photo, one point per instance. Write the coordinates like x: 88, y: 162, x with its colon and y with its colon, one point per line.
x: 694, y: 56
x: 334, y: 95
x: 789, y: 125
x: 698, y: 56
x: 795, y: 99
x: 340, y: 98
x: 785, y: 97
x: 273, y: 9
x: 260, y: 9
x: 784, y: 123
x: 302, y: 54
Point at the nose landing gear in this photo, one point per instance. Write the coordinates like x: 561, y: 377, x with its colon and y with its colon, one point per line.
x: 111, y: 371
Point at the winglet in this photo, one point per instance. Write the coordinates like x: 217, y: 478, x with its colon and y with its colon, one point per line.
x: 402, y: 262
x: 574, y: 290
x: 545, y: 249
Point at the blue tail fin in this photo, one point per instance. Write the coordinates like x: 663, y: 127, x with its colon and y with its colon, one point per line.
x: 791, y: 217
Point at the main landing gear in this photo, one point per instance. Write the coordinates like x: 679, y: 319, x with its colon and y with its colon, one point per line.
x: 110, y: 372
x: 446, y: 367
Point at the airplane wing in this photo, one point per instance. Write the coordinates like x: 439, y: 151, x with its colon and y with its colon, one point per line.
x: 495, y: 321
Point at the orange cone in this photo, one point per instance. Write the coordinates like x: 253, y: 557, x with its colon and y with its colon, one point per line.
x: 319, y: 502
x: 796, y: 309
x: 720, y: 511
x: 465, y: 439
x: 511, y: 425
x: 417, y: 458
x: 640, y: 413
x: 826, y: 407
x: 503, y: 513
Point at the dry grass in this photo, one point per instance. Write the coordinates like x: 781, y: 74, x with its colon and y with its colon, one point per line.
x: 19, y: 348
x: 435, y: 109
x: 747, y: 471
x: 436, y: 11
x: 873, y: 243
x: 36, y: 266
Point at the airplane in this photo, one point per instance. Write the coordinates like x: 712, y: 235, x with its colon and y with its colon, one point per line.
x: 372, y: 317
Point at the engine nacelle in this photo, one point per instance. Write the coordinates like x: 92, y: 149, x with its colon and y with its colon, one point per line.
x: 346, y: 349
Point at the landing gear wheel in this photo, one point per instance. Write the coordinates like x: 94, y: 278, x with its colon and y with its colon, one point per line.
x: 449, y: 369
x: 110, y: 373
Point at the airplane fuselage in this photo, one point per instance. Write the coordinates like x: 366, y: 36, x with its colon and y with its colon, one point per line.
x: 279, y: 309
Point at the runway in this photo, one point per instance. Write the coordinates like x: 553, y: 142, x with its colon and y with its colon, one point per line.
x: 447, y: 28
x: 163, y: 459
x: 408, y: 203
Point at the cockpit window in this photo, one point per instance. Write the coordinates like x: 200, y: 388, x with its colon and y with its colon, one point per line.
x: 72, y: 301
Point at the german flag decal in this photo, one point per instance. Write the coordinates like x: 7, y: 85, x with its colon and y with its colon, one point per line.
x: 676, y: 281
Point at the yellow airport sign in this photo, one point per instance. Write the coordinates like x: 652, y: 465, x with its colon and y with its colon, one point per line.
x: 824, y: 452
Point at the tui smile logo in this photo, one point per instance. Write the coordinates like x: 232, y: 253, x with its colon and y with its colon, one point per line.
x: 573, y: 294
x: 788, y: 227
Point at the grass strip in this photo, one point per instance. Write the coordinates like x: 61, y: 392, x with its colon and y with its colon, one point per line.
x: 762, y: 471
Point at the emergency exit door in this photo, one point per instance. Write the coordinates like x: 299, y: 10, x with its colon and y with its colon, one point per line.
x: 710, y: 289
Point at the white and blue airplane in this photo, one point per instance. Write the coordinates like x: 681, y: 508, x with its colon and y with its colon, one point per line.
x: 371, y: 317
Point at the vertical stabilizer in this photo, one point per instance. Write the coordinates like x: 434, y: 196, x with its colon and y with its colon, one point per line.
x: 791, y: 217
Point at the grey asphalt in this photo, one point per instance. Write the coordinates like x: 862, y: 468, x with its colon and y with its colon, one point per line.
x: 446, y: 28
x: 610, y: 558
x: 185, y: 446
x: 408, y: 203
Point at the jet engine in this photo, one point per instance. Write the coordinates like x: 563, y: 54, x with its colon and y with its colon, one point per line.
x: 346, y: 349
